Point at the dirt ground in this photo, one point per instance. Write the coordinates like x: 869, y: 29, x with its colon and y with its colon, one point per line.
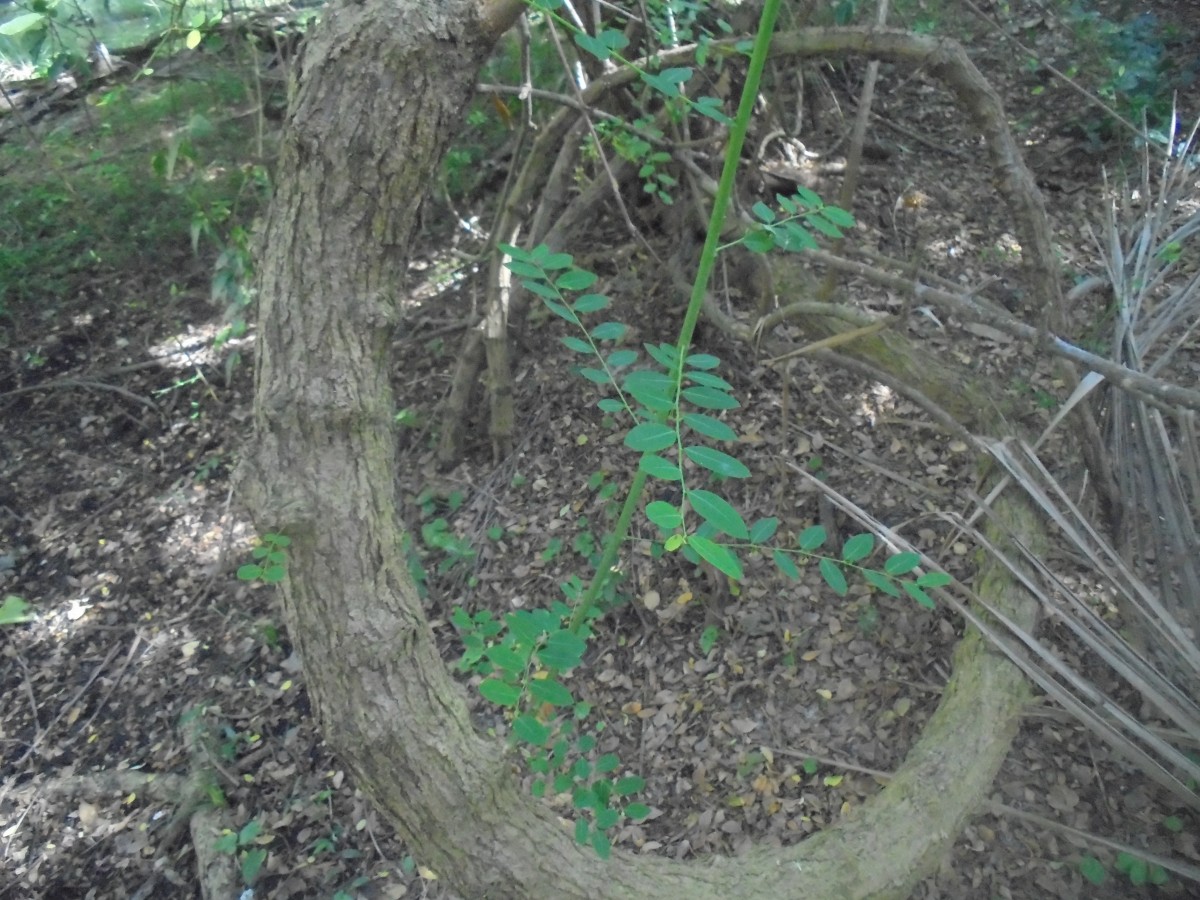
x: 120, y: 522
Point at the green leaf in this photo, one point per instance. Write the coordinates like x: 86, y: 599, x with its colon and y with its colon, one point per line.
x: 665, y: 355
x: 901, y: 563
x: 709, y: 398
x: 499, y: 692
x: 702, y: 361
x: 716, y: 461
x: 637, y: 811
x: 810, y: 199
x: 541, y: 289
x: 608, y: 331
x: 785, y: 564
x: 273, y: 574
x: 667, y: 81
x: 563, y: 651
x: 833, y: 577
x: 528, y: 729
x: 524, y: 627
x: 610, y: 404
x: 525, y: 269
x: 252, y: 863
x: 711, y: 107
x: 249, y: 572
x: 589, y: 303
x: 717, y: 510
x: 934, y: 579
x: 550, y: 261
x: 581, y: 831
x: 838, y: 216
x: 548, y: 690
x: 709, y: 427
x: 559, y: 310
x: 649, y: 437
x: 655, y: 390
x: 579, y: 345
x: 811, y: 538
x: 882, y: 582
x: 764, y: 212
x: 515, y: 252
x: 609, y: 762
x: 708, y: 379
x: 576, y: 280
x: 505, y: 659
x: 601, y: 844
x: 629, y: 784
x: 858, y: 547
x: 603, y: 45
x: 919, y: 595
x: 20, y: 24
x: 13, y: 611
x: 759, y: 240
x: 618, y: 359
x: 658, y: 467
x: 763, y: 530
x: 719, y: 556
x: 249, y: 832
x: 596, y: 376
x: 607, y: 818
x: 708, y: 638
x: 226, y: 843
x: 795, y: 239
x: 665, y: 515
x: 823, y: 225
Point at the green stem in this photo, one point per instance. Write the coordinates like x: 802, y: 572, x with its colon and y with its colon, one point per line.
x: 733, y: 153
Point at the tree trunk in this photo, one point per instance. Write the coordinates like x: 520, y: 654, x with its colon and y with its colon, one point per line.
x: 381, y: 89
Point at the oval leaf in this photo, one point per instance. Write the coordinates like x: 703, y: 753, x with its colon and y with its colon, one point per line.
x: 530, y: 730
x: 659, y: 467
x: 717, y: 510
x: 500, y: 693
x: 833, y: 577
x: 550, y: 691
x: 665, y: 515
x: 563, y: 651
x: 709, y: 398
x: 709, y: 427
x: 812, y: 538
x: 858, y: 547
x: 649, y: 437
x: 881, y: 581
x: 719, y: 556
x: 785, y: 565
x: 715, y: 461
x: 901, y: 563
x: 763, y: 530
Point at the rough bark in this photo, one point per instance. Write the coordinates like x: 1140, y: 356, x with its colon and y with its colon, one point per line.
x: 380, y: 91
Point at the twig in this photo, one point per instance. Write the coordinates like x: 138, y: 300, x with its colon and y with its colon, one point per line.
x: 137, y: 640
x: 1001, y: 809
x: 67, y: 706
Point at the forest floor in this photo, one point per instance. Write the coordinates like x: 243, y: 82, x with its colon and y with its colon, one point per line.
x: 756, y: 718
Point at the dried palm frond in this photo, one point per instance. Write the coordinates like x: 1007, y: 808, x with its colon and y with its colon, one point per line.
x: 1155, y: 452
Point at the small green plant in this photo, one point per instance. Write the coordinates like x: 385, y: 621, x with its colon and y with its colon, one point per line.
x: 241, y: 844
x: 14, y: 611
x: 674, y: 400
x: 270, y: 566
x: 438, y: 537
